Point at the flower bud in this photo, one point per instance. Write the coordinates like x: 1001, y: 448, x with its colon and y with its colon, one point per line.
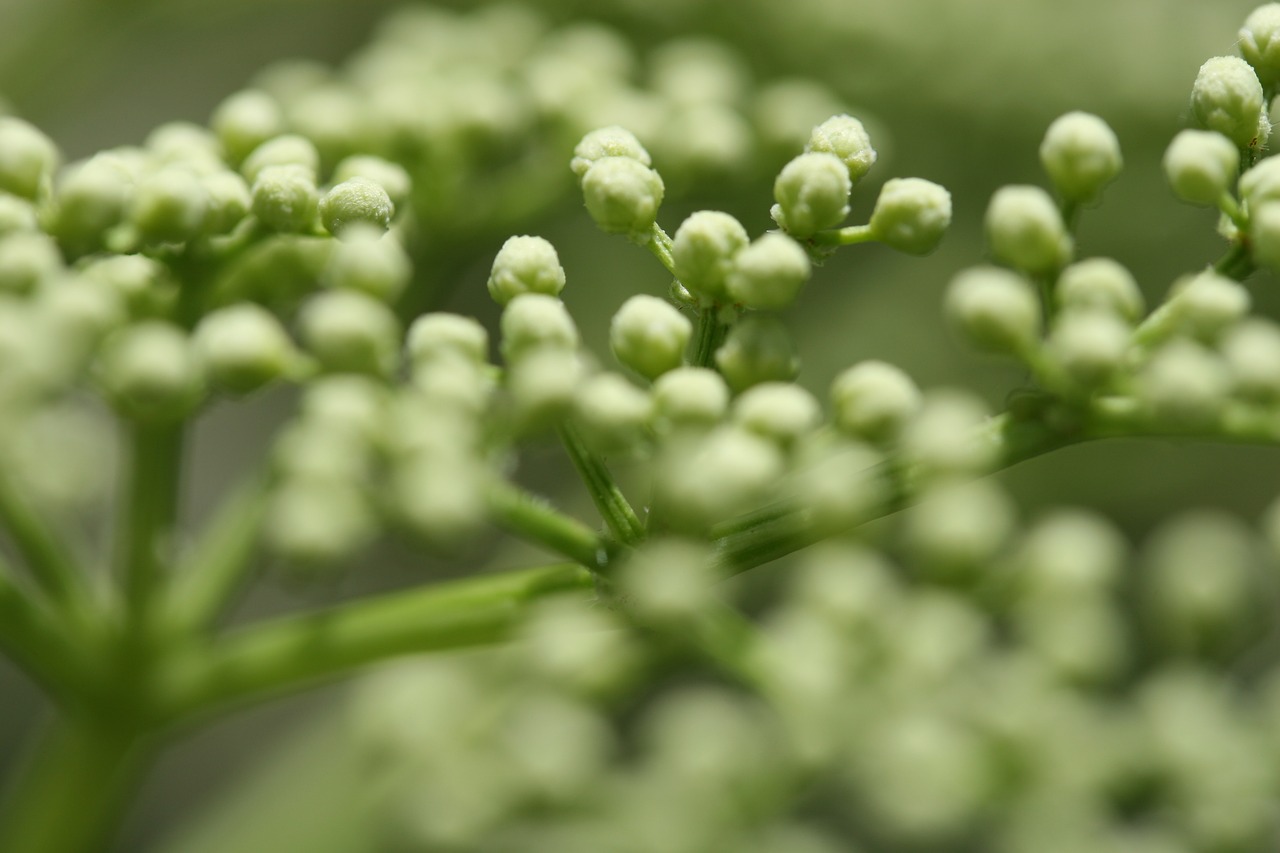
x: 911, y: 215
x: 1070, y: 554
x: 845, y: 137
x: 782, y: 412
x: 997, y: 310
x: 245, y: 121
x: 1264, y: 235
x: 757, y: 349
x: 150, y: 372
x: 525, y: 265
x: 313, y: 524
x: 622, y: 195
x: 1260, y: 43
x: 690, y: 396
x: 703, y: 250
x: 612, y: 412
x: 1025, y: 230
x: 16, y: 214
x: 649, y: 335
x: 1081, y: 155
x: 284, y: 198
x: 140, y: 282
x: 872, y: 400
x: 542, y: 384
x: 1227, y: 97
x: 1201, y: 166
x: 960, y: 526
x: 286, y: 150
x: 812, y: 192
x: 440, y: 499
x: 533, y: 321
x: 1207, y: 304
x: 243, y: 347
x: 1103, y: 284
x: 228, y: 201
x: 1261, y: 183
x: 1090, y: 345
x: 28, y: 158
x: 356, y: 202
x: 1252, y: 353
x: 346, y: 402
x: 943, y: 436
x: 392, y: 177
x: 349, y: 332
x: 169, y: 206
x: 1184, y: 384
x: 716, y: 476
x: 768, y: 274
x: 669, y: 581
x: 26, y: 260
x: 440, y: 335
x: 368, y: 261
x: 611, y: 141
x: 186, y: 145
x: 91, y: 198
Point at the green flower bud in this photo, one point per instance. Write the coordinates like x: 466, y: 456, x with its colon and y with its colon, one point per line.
x: 612, y: 413
x: 1090, y: 345
x: 317, y: 523
x: 1227, y: 97
x: 369, y: 261
x: 91, y: 198
x: 1070, y: 555
x: 1260, y: 43
x: 943, y: 437
x: 716, y: 476
x: 349, y: 332
x: 1264, y: 234
x: 668, y: 581
x: 911, y: 215
x: 611, y: 141
x: 839, y: 484
x: 812, y: 192
x: 79, y: 312
x: 998, y: 310
x: 959, y: 527
x: 284, y: 198
x: 140, y: 282
x: 785, y: 112
x: 150, y: 372
x: 286, y: 150
x: 1261, y: 183
x: 441, y: 499
x: 845, y: 137
x: 525, y: 265
x: 184, y: 144
x: 392, y: 177
x: 768, y: 274
x: 1252, y: 353
x: 1025, y: 230
x: 16, y: 214
x: 872, y: 400
x: 758, y: 349
x: 622, y: 195
x: 533, y: 321
x: 1081, y: 155
x: 346, y: 403
x: 1184, y: 384
x: 703, y: 250
x: 358, y: 201
x: 543, y: 383
x: 26, y: 260
x: 1201, y: 166
x: 1103, y: 284
x: 228, y: 201
x: 28, y: 158
x: 1207, y: 304
x: 243, y: 347
x: 315, y: 452
x: 439, y: 335
x: 450, y: 381
x: 649, y: 335
x: 782, y: 412
x: 690, y: 396
x: 169, y: 206
x: 244, y: 121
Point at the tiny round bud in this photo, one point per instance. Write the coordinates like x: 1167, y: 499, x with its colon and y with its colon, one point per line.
x: 1081, y: 155
x: 284, y: 198
x: 780, y: 411
x: 16, y: 214
x: 1025, y: 229
x: 392, y: 177
x: 542, y: 384
x: 997, y: 310
x: 533, y: 321
x: 1090, y: 345
x: 1260, y: 43
x: 26, y: 260
x: 812, y: 192
x: 169, y: 206
x: 1264, y: 234
x: 150, y: 372
x: 316, y: 523
x: 356, y: 202
x: 1261, y: 183
x: 845, y: 137
x: 228, y: 201
x: 441, y: 499
x: 184, y: 144
x: 959, y: 527
x: 649, y: 335
x: 91, y: 198
x: 141, y: 282
x: 349, y: 332
x: 345, y: 402
x: 1252, y: 352
x: 911, y: 215
x: 622, y: 195
x: 716, y: 476
x: 243, y: 347
x: 1184, y: 383
x: 27, y: 158
x: 612, y: 412
x: 943, y: 437
x: 1070, y: 554
x: 757, y: 349
x: 244, y: 121
x: 286, y: 150
x: 1103, y: 284
x: 768, y: 274
x: 1201, y: 166
x: 368, y: 261
x: 1227, y: 97
x: 667, y: 581
x: 872, y: 400
x: 439, y: 335
x: 525, y: 265
x: 690, y: 396
x: 611, y: 141
x: 703, y: 250
x: 1207, y: 304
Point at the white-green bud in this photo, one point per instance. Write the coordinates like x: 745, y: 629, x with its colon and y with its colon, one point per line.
x: 169, y: 206
x: 960, y: 526
x: 911, y: 215
x: 349, y: 332
x: 150, y: 372
x: 141, y: 282
x: 1264, y: 234
x: 316, y: 523
x: 1102, y: 284
x: 16, y: 214
x: 1260, y: 43
x: 768, y: 274
x: 1261, y: 183
x: 286, y: 150
x: 1207, y: 304
x: 845, y: 137
x: 703, y: 250
x: 611, y: 141
x: 525, y: 265
x: 839, y: 483
x: 184, y: 144
x: 717, y: 475
x: 1070, y: 554
x: 1201, y: 166
x: 690, y: 396
x: 245, y: 121
x: 757, y: 349
x: 392, y: 177
x: 91, y: 198
x: 243, y: 347
x: 440, y: 499
x: 542, y: 384
x: 533, y: 321
x: 1081, y: 155
x: 369, y: 261
x: 944, y: 436
x: 812, y: 192
x: 1025, y: 230
x: 998, y: 310
x: 622, y: 195
x: 669, y: 580
x: 1252, y: 353
x: 612, y: 413
x: 649, y: 335
x: 28, y: 158
x: 782, y: 412
x: 284, y: 198
x: 228, y: 201
x: 79, y: 311
x: 356, y: 202
x: 449, y: 381
x: 872, y: 400
x: 1090, y: 345
x: 345, y: 403
x: 440, y: 335
x: 27, y: 258
x: 1184, y: 383
x: 1227, y: 97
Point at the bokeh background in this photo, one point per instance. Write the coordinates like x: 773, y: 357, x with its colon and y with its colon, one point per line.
x: 960, y: 93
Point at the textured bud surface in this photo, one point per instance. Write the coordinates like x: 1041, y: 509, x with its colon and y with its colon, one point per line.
x: 703, y: 251
x: 1081, y: 155
x: 1025, y: 229
x: 649, y: 335
x: 911, y: 215
x: 356, y: 201
x: 1260, y: 42
x: 1227, y: 97
x: 611, y: 141
x: 996, y: 309
x: 872, y: 400
x: 525, y: 265
x: 622, y: 195
x: 845, y: 137
x: 812, y: 192
x: 1201, y: 165
x: 768, y: 274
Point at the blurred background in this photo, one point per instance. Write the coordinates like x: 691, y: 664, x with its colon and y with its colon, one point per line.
x: 959, y: 93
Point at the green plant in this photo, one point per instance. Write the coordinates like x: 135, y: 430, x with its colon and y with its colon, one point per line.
x: 944, y: 680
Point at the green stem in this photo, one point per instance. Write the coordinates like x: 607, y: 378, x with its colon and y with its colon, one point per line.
x: 1236, y: 263
x: 531, y: 518
x: 149, y: 512
x: 37, y: 643
x: 621, y: 519
x: 295, y: 651
x: 50, y: 563
x: 707, y: 337
x: 660, y: 245
x: 849, y: 236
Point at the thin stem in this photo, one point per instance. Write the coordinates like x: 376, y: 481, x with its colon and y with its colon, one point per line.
x: 533, y: 519
x: 1227, y: 204
x: 50, y: 563
x: 1070, y: 210
x: 849, y: 236
x: 660, y: 245
x: 621, y: 519
x: 34, y: 641
x: 295, y: 651
x: 149, y: 512
x: 1236, y: 263
x: 707, y: 337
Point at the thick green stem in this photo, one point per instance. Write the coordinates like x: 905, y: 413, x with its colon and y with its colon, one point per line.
x: 149, y: 510
x: 621, y: 519
x: 534, y: 520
